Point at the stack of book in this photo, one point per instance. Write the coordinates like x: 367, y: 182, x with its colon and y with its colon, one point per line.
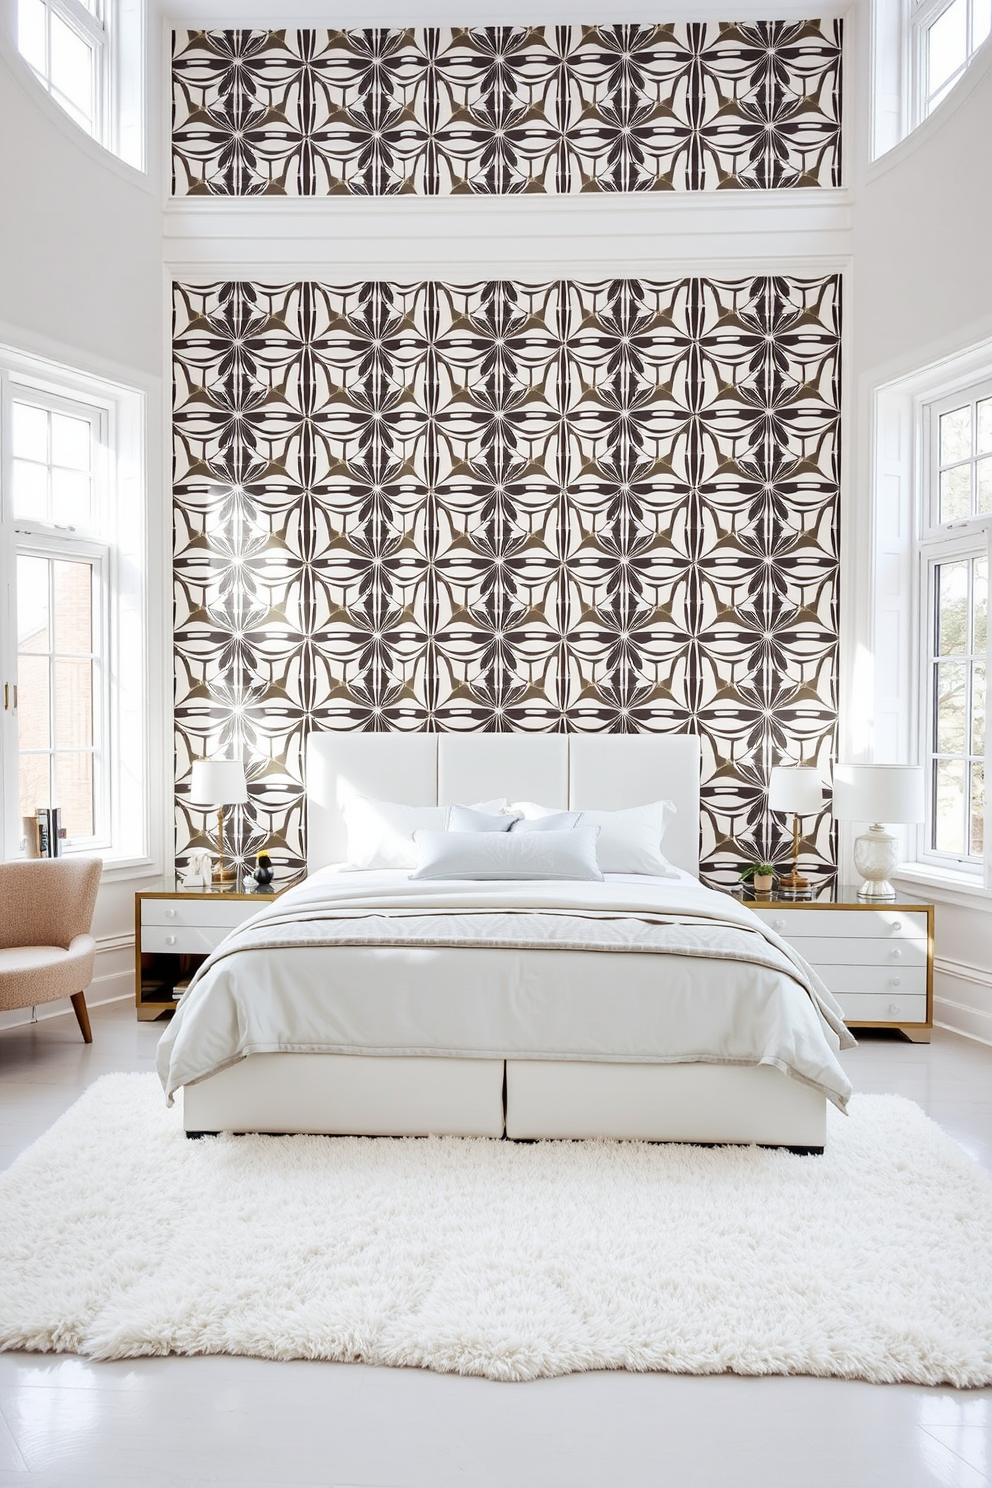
x: 49, y: 833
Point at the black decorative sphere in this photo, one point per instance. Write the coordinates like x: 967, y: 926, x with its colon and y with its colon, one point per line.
x: 263, y: 874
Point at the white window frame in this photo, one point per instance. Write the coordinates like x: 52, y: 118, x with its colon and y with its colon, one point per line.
x: 117, y: 35
x: 35, y: 541
x: 946, y: 547
x: 923, y: 15
x: 129, y: 832
x: 898, y: 68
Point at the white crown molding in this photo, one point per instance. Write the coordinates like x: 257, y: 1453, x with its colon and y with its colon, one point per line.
x: 582, y: 236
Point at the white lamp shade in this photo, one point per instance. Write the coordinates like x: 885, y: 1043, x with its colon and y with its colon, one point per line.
x: 797, y: 789
x: 218, y: 783
x: 879, y: 793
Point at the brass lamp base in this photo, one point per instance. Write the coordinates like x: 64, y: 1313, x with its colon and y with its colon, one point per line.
x: 794, y: 885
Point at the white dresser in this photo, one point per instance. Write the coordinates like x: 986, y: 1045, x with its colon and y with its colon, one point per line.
x: 172, y: 935
x: 877, y: 959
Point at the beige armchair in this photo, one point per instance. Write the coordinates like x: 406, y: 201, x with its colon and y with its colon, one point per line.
x: 46, y: 949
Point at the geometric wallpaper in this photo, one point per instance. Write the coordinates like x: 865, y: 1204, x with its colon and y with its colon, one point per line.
x: 439, y: 110
x: 549, y: 507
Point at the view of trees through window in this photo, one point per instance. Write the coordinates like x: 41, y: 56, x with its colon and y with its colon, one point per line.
x: 958, y: 665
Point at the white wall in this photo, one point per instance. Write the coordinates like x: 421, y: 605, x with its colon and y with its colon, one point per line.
x: 922, y: 292
x: 81, y: 283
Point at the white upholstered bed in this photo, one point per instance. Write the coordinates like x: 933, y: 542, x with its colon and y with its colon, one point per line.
x: 364, y: 1003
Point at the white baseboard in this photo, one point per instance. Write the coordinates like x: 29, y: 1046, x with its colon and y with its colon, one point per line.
x: 962, y: 1001
x: 113, y: 981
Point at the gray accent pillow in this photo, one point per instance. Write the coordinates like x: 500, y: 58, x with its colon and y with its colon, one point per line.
x: 557, y: 821
x: 499, y: 855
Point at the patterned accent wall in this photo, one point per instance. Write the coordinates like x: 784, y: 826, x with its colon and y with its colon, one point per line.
x: 501, y: 109
x: 502, y: 506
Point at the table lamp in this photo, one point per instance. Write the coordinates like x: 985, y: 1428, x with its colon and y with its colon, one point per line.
x: 877, y: 794
x: 219, y: 783
x: 797, y: 789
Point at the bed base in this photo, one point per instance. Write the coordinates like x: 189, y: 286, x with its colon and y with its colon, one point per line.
x: 522, y: 1099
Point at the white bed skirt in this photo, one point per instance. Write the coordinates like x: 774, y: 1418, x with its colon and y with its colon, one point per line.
x: 341, y: 1094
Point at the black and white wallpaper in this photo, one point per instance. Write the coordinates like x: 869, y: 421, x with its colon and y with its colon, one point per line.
x: 503, y: 506
x: 507, y: 109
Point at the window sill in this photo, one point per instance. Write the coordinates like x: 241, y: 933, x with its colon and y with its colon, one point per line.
x: 945, y: 886
x: 118, y: 866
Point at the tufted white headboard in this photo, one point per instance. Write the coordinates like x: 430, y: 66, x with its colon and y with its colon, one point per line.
x: 598, y: 772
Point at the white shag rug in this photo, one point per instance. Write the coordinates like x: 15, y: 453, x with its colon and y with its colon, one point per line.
x: 118, y: 1237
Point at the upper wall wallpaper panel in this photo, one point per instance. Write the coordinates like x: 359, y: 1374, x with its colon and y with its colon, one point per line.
x: 500, y: 506
x: 494, y: 110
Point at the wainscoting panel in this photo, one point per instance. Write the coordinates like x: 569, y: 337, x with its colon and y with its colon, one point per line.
x: 502, y: 506
x: 507, y: 109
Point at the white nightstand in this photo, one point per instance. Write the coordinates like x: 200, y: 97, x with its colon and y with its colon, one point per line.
x: 877, y: 959
x: 173, y: 933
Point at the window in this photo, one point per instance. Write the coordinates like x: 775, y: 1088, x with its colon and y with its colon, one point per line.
x: 74, y: 731
x: 88, y: 55
x: 946, y: 37
x: 957, y: 520
x: 60, y: 580
x: 65, y: 41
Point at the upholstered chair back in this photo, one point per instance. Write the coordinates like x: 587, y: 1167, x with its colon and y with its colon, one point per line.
x: 47, y: 901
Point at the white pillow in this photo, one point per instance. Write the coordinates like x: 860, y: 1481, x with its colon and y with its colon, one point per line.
x: 380, y: 833
x: 555, y: 821
x: 473, y: 819
x: 630, y: 841
x: 488, y: 855
x: 530, y: 810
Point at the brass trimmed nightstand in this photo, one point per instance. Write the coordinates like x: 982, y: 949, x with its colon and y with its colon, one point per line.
x: 173, y: 935
x: 876, y: 958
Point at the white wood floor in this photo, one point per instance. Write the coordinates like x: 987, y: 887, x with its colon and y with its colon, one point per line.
x: 158, y: 1422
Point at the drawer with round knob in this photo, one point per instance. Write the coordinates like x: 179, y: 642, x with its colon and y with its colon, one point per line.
x: 902, y: 981
x: 880, y: 1008
x: 213, y: 911
x: 847, y: 924
x: 184, y: 940
x: 825, y: 950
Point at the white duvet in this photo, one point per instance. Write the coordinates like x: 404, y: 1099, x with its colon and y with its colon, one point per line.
x: 633, y: 969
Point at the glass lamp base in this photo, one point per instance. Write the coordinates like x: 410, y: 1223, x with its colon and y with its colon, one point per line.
x: 875, y: 856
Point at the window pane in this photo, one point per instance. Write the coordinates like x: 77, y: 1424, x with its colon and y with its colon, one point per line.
x: 73, y: 704
x: 947, y: 44
x: 984, y: 494
x: 948, y: 825
x: 955, y: 435
x: 33, y: 785
x: 952, y: 607
x: 31, y: 33
x: 32, y: 604
x: 71, y: 439
x: 981, y: 21
x: 33, y: 730
x: 70, y: 497
x: 30, y: 483
x: 978, y: 708
x: 951, y: 707
x: 29, y: 432
x: 955, y: 493
x: 979, y: 603
x: 74, y: 793
x: 977, y: 810
x: 72, y: 67
x: 985, y: 417
x: 73, y: 584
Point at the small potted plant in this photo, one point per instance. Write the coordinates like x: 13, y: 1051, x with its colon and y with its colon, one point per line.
x: 761, y: 876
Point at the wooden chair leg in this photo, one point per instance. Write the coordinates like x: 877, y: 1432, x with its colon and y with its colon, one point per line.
x: 79, y: 1007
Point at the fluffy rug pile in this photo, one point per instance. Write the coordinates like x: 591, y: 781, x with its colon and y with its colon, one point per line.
x: 118, y: 1237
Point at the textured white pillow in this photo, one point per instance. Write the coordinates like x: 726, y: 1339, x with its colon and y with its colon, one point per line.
x: 555, y: 821
x: 630, y: 841
x: 488, y: 855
